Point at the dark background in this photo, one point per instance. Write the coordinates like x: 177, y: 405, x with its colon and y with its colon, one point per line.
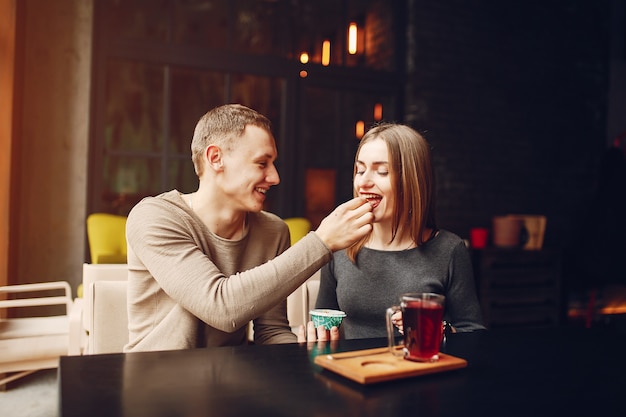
x: 514, y: 98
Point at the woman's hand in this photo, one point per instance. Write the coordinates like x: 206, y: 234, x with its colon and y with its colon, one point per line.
x: 311, y: 334
x: 396, y: 320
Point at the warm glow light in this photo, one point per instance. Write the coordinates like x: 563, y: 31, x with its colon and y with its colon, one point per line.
x: 352, y: 38
x: 378, y: 111
x: 304, y: 57
x: 303, y: 74
x: 326, y: 53
x: 360, y: 129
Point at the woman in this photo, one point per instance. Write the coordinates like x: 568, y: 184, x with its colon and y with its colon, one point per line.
x: 405, y: 251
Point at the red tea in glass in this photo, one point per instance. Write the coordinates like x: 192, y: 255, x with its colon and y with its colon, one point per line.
x: 422, y: 329
x: 422, y: 315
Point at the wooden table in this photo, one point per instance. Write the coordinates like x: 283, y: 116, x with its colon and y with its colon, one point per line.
x: 521, y: 372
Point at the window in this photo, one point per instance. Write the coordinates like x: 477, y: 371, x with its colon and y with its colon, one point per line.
x: 161, y: 64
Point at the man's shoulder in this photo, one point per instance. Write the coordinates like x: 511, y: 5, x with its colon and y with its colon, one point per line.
x: 161, y: 206
x: 165, y: 199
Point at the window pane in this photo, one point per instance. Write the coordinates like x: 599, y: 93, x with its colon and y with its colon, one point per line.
x: 202, y: 23
x: 314, y: 23
x: 127, y: 180
x: 263, y: 94
x: 137, y: 19
x: 134, y: 106
x: 319, y: 127
x: 329, y: 131
x: 281, y: 28
x: 181, y: 175
x: 193, y: 93
x: 329, y: 20
x: 262, y: 27
x: 375, y: 40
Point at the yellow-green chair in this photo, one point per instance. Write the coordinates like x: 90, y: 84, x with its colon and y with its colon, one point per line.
x: 106, y: 234
x: 298, y: 228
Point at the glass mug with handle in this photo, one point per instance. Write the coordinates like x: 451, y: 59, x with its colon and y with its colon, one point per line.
x: 422, y: 322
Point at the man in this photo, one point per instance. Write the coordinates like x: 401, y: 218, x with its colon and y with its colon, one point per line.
x: 202, y: 265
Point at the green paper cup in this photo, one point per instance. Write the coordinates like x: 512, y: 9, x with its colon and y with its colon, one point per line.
x: 327, y: 318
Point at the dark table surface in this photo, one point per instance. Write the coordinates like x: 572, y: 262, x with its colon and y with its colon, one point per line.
x: 513, y: 372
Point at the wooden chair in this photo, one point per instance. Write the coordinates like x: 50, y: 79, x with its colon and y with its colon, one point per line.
x: 35, y: 342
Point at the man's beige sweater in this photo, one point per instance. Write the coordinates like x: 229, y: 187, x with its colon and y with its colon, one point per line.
x: 188, y: 288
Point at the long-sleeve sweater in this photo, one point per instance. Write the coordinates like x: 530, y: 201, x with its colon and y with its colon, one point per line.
x: 188, y: 287
x: 365, y: 290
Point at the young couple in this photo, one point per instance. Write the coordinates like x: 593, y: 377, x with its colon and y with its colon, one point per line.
x: 202, y: 265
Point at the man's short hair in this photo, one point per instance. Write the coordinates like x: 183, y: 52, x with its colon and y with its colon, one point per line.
x: 221, y: 126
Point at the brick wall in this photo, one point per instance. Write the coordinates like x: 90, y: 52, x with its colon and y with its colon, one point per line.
x: 512, y: 97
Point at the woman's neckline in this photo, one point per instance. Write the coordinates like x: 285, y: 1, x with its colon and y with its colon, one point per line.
x: 433, y: 235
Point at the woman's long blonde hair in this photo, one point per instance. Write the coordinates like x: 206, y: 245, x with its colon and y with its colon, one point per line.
x: 412, y: 181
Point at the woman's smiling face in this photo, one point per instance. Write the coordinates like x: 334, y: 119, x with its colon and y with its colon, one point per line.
x: 372, y: 179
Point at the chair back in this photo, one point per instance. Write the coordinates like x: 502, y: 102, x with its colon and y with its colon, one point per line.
x: 312, y: 288
x: 105, y: 314
x: 106, y: 234
x: 95, y: 273
x: 109, y: 318
x: 298, y: 228
x: 34, y: 340
x: 301, y: 301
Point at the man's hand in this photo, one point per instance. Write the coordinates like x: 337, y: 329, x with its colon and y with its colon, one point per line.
x: 348, y: 223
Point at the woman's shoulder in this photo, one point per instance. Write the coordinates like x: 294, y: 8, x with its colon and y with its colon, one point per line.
x: 449, y: 236
x: 447, y: 239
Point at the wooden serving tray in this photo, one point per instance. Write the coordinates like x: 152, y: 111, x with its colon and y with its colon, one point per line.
x: 377, y: 365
